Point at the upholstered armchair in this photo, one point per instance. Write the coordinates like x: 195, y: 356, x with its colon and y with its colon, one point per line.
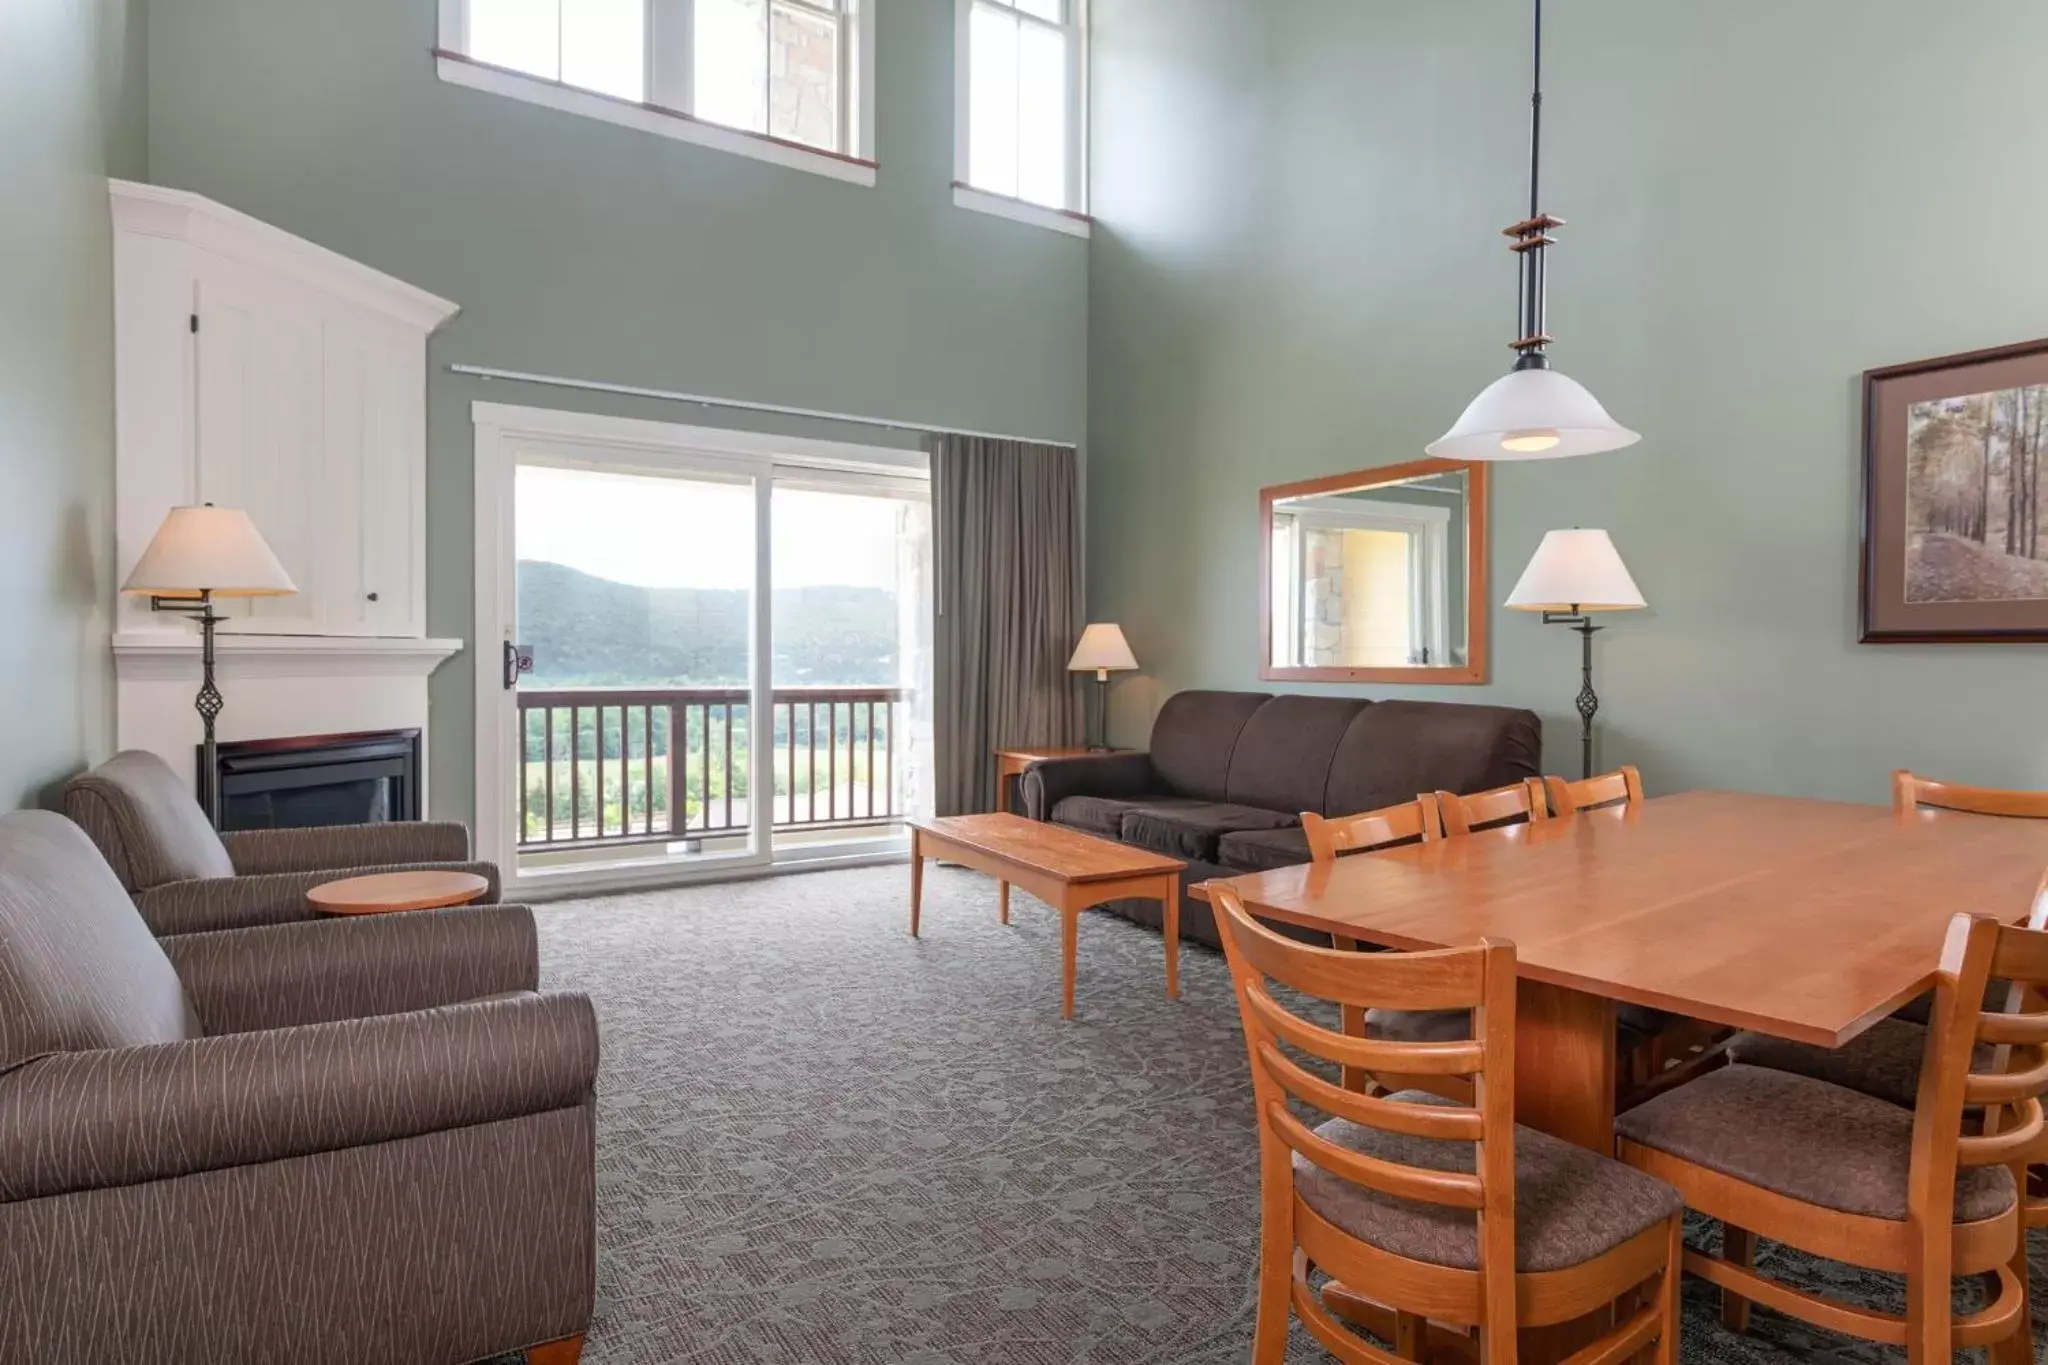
x: 186, y: 878
x: 327, y: 1143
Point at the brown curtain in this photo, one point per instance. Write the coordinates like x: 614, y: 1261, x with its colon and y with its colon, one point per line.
x: 1006, y: 523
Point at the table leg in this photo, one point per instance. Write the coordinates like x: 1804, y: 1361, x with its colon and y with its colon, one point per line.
x: 1070, y: 946
x: 1003, y: 901
x: 916, y: 879
x: 1172, y: 899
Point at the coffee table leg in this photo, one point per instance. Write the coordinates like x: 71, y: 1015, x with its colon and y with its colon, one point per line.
x: 1172, y: 899
x: 916, y: 879
x: 1003, y: 893
x: 1070, y: 936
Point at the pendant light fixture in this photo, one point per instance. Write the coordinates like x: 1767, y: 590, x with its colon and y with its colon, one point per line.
x: 1533, y: 413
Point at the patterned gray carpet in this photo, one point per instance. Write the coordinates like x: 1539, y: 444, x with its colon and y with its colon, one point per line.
x: 821, y: 1140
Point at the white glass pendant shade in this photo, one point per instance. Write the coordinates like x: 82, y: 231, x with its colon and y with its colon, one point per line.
x: 1532, y: 415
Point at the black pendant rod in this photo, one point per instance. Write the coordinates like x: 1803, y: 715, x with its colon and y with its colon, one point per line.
x: 1536, y: 118
x: 1531, y: 235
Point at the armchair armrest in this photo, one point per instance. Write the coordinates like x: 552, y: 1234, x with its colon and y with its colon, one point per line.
x: 280, y: 975
x: 90, y: 1120
x: 1052, y: 781
x: 207, y: 903
x: 258, y: 851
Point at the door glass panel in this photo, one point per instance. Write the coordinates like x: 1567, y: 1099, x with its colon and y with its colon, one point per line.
x: 852, y: 644
x: 636, y: 599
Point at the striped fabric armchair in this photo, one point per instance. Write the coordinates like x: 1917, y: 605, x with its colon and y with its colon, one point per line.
x: 186, y: 878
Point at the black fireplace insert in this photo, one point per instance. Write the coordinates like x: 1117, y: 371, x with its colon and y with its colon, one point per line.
x: 358, y: 779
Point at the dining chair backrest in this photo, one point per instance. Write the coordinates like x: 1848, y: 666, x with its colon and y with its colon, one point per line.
x: 1480, y: 979
x: 1623, y: 786
x: 1405, y: 823
x: 1910, y: 793
x: 1524, y: 800
x: 1978, y: 950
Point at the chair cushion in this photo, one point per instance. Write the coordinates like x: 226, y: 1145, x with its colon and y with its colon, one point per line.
x: 1394, y: 749
x: 1805, y: 1139
x: 1419, y: 1026
x: 148, y: 826
x: 1194, y: 737
x: 1193, y: 829
x: 1262, y: 850
x: 1883, y: 1062
x: 1283, y: 755
x: 1571, y: 1203
x: 79, y: 970
x: 1098, y: 815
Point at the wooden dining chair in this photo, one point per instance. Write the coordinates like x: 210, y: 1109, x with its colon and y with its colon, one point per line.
x: 1405, y: 823
x: 1848, y: 1177
x: 1910, y: 792
x: 1524, y: 800
x: 1623, y: 786
x: 1443, y: 1213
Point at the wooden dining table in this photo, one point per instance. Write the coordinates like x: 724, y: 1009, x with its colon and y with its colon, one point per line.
x: 1809, y: 920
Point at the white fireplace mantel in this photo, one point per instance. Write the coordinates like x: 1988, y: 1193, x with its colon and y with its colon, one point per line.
x: 167, y: 655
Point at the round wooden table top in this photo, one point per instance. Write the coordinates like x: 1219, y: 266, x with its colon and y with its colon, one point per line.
x: 382, y: 893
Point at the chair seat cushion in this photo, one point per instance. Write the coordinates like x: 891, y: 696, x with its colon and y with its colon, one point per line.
x: 1419, y: 1026
x: 1185, y: 828
x: 1883, y: 1062
x: 1571, y: 1203
x: 1263, y: 850
x: 1805, y: 1139
x: 1098, y: 815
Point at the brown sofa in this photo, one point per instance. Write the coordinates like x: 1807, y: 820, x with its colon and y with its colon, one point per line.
x: 186, y: 878
x: 1228, y: 774
x: 326, y: 1143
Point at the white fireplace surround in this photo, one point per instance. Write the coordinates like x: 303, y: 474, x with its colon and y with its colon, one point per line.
x: 256, y: 369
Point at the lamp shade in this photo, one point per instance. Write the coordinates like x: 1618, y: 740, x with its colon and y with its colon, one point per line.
x: 1576, y: 571
x: 1532, y: 415
x: 208, y: 549
x: 1102, y: 649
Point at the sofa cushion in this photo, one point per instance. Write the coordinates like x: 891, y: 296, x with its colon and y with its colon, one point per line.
x: 1181, y: 828
x: 1194, y: 736
x: 1099, y: 815
x: 1395, y: 749
x: 149, y: 828
x: 1262, y: 850
x: 1283, y: 755
x: 79, y: 970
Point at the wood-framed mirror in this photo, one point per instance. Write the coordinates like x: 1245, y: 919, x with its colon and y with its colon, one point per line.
x: 1378, y: 575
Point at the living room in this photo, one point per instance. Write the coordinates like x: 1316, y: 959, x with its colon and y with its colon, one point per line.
x: 578, y: 380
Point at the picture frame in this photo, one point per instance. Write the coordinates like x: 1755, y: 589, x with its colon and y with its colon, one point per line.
x: 1955, y: 499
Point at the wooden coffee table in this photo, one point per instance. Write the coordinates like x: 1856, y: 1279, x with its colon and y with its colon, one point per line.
x: 1066, y: 869
x: 383, y: 893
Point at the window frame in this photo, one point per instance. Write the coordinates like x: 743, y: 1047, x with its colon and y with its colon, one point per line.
x: 1072, y: 219
x: 666, y: 110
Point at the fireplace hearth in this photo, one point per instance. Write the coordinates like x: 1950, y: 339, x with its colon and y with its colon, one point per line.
x: 355, y: 779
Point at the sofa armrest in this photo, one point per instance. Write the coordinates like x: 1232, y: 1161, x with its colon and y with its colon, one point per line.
x: 258, y: 851
x: 1053, y: 780
x: 208, y: 903
x: 77, y: 1121
x: 280, y: 975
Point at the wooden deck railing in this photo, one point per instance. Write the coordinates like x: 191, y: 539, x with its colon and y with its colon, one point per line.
x: 603, y: 765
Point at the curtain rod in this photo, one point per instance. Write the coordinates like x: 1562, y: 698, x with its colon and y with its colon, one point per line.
x: 702, y: 400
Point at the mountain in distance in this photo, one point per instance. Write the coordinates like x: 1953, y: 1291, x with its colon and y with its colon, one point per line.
x: 587, y: 631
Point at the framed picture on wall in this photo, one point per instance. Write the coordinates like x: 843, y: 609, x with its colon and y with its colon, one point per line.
x: 1955, y: 498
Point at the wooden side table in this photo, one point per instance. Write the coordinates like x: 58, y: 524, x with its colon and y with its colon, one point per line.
x: 383, y: 893
x: 1011, y: 763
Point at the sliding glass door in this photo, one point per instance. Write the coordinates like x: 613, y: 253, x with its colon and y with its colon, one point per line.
x: 714, y: 648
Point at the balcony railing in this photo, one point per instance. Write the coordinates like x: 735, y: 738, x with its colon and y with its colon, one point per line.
x: 602, y: 766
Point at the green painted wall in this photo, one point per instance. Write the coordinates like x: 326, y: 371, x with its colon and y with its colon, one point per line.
x: 580, y: 248
x: 70, y: 112
x: 1297, y: 271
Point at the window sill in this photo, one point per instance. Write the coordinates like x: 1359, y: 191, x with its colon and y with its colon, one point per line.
x: 457, y: 69
x: 1022, y: 211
